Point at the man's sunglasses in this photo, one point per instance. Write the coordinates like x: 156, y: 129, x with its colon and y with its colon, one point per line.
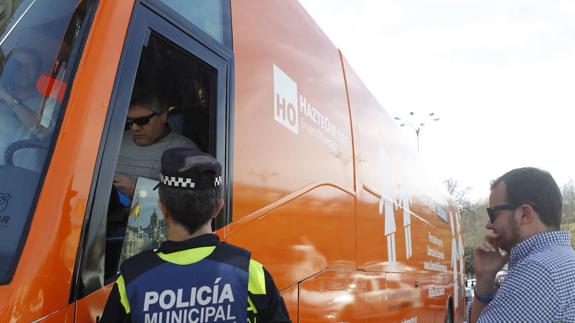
x: 492, y: 211
x: 140, y: 121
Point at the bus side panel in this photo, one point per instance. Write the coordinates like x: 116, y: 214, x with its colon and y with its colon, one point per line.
x: 365, y: 297
x: 301, y: 237
x: 291, y: 118
x: 333, y: 296
x: 293, y: 182
x: 408, y: 298
x: 396, y: 212
x: 59, y: 317
x: 89, y: 308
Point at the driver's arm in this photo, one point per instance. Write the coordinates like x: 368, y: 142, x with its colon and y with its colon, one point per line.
x: 20, y: 110
x: 125, y: 184
x: 25, y: 115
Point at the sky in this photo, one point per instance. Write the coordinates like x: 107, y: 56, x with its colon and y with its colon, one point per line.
x: 500, y: 75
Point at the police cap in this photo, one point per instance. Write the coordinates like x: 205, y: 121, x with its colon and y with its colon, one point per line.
x: 190, y: 169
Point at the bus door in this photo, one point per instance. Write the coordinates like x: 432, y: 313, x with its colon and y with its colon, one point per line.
x: 177, y: 54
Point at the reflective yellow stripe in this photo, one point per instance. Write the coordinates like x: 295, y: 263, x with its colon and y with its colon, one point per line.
x: 251, y: 306
x: 257, y: 282
x: 186, y: 257
x: 123, y: 296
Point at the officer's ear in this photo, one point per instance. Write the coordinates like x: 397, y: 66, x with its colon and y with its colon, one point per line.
x: 218, y: 209
x: 164, y: 210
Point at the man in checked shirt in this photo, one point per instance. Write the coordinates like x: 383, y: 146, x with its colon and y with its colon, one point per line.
x: 524, y: 216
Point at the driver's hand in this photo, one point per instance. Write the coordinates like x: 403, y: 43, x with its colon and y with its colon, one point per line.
x: 125, y: 184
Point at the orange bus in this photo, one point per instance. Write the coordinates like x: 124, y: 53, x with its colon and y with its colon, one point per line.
x: 320, y: 183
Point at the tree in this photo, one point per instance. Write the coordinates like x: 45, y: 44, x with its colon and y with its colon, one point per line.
x: 570, y: 228
x: 469, y: 261
x: 568, y: 216
x: 459, y: 194
x: 568, y: 192
x: 474, y: 221
x: 473, y: 218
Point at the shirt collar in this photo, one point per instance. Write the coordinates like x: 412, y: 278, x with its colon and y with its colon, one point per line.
x: 206, y: 240
x: 538, y: 242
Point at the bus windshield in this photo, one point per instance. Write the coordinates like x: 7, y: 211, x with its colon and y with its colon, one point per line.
x: 39, y: 48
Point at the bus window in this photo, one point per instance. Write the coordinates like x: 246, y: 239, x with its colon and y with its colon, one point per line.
x: 172, y: 105
x: 208, y: 15
x: 38, y: 49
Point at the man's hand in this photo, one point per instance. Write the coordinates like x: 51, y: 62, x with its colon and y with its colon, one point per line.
x: 5, y: 96
x: 487, y: 259
x: 125, y: 184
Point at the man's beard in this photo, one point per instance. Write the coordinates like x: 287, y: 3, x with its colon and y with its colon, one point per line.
x: 514, y: 238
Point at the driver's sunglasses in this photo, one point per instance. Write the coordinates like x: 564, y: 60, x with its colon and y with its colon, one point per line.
x: 492, y: 211
x: 140, y: 121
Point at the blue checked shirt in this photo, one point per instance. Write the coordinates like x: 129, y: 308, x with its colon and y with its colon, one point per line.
x: 540, y: 286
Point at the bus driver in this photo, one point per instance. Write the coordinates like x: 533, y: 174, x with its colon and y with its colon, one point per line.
x: 149, y: 135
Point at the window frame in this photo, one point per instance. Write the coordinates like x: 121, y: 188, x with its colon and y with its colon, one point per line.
x: 147, y: 19
x: 181, y: 22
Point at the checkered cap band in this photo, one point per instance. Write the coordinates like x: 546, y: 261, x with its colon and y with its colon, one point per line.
x: 177, y: 181
x: 185, y: 182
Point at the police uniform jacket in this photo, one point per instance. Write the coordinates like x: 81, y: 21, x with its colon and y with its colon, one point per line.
x: 197, y: 280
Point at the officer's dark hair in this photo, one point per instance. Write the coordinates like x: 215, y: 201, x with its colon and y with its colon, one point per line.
x: 191, y: 208
x: 535, y: 187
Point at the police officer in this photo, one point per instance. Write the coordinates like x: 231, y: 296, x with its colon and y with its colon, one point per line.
x: 193, y: 277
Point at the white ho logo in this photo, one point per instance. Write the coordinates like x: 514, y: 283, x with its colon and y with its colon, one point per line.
x: 285, y: 100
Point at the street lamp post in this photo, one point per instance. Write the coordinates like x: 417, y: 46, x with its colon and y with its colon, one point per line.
x: 416, y: 123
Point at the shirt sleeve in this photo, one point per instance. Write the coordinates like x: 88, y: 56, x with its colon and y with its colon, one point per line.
x: 527, y: 295
x: 114, y: 311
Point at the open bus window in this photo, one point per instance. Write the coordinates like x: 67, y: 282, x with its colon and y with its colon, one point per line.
x: 38, y: 50
x: 172, y: 105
